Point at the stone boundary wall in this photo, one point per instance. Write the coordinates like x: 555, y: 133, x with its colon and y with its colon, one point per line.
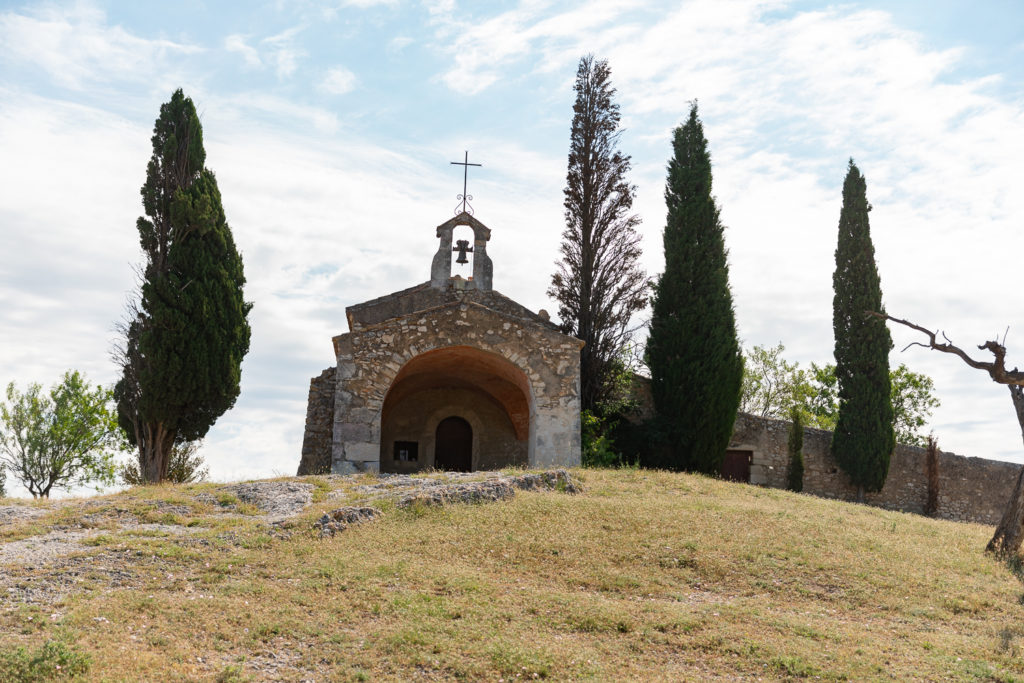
x: 316, y: 442
x: 970, y: 489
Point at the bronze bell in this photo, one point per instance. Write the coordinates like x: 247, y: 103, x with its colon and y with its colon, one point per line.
x: 462, y: 246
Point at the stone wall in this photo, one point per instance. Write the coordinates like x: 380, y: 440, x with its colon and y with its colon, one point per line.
x: 970, y: 489
x: 316, y: 442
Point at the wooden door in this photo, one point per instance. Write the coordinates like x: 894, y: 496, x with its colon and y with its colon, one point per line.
x: 736, y: 466
x: 453, y: 445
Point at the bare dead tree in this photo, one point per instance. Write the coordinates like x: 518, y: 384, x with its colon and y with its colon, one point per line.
x: 1010, y: 532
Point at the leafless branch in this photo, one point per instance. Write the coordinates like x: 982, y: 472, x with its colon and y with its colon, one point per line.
x: 995, y: 369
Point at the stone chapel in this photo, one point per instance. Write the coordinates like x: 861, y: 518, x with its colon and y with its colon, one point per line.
x: 447, y: 375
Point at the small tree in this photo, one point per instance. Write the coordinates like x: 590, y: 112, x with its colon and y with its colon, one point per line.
x: 912, y: 405
x: 599, y: 284
x: 185, y: 339
x: 863, y: 439
x: 912, y: 400
x: 185, y: 466
x: 771, y: 384
x: 1010, y: 532
x: 693, y: 353
x: 796, y: 451
x: 62, y: 439
x: 821, y: 400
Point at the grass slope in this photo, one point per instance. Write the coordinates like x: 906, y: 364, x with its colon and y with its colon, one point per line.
x: 647, y: 575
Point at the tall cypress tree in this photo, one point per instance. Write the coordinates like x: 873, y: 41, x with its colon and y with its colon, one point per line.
x: 864, y: 438
x: 693, y: 353
x: 183, y: 348
x: 599, y: 284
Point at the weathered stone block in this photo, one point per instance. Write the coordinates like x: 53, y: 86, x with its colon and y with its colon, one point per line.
x: 353, y: 431
x: 362, y: 452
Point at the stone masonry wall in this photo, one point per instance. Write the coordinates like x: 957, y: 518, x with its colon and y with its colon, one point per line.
x: 970, y: 489
x: 370, y: 358
x: 316, y: 442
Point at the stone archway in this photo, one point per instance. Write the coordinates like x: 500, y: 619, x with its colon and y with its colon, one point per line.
x: 486, y: 391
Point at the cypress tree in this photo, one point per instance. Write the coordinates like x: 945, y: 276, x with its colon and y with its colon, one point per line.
x: 184, y: 344
x: 599, y: 284
x: 694, y: 356
x: 864, y: 438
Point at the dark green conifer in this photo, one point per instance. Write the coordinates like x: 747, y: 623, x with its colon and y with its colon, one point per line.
x: 183, y: 348
x: 694, y: 356
x: 864, y: 438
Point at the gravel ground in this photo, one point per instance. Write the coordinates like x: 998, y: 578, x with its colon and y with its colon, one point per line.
x: 45, y: 567
x: 10, y: 514
x: 278, y: 500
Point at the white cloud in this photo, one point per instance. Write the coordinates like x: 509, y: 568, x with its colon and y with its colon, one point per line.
x: 338, y: 81
x: 236, y: 43
x: 290, y: 113
x: 363, y: 4
x: 481, y: 50
x: 399, y: 43
x: 278, y: 51
x: 282, y: 51
x: 77, y: 48
x: 439, y: 7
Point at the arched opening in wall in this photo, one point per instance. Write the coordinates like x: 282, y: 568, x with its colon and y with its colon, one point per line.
x: 462, y: 233
x: 481, y: 389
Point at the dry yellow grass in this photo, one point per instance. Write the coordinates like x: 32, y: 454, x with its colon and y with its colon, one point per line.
x: 646, y: 576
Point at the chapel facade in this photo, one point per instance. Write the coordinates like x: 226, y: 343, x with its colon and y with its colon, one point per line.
x: 447, y: 375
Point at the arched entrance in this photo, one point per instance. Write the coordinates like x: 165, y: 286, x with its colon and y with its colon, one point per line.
x: 453, y: 445
x: 456, y: 408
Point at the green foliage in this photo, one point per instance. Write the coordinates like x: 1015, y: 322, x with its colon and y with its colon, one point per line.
x: 864, y: 438
x: 61, y: 439
x: 772, y: 385
x: 795, y: 474
x: 692, y: 351
x: 603, y: 426
x: 911, y: 396
x: 598, y: 447
x: 53, y: 660
x: 183, y: 347
x: 912, y: 405
x: 185, y: 466
x: 821, y: 408
x: 599, y: 284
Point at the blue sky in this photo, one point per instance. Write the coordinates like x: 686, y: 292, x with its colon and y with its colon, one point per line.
x: 331, y: 126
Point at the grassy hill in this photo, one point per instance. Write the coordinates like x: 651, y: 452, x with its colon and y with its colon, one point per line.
x: 645, y: 575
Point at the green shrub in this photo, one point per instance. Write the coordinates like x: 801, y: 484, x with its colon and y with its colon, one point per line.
x: 598, y: 447
x: 53, y: 660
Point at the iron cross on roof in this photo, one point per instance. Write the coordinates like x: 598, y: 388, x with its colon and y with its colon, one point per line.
x: 465, y: 198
